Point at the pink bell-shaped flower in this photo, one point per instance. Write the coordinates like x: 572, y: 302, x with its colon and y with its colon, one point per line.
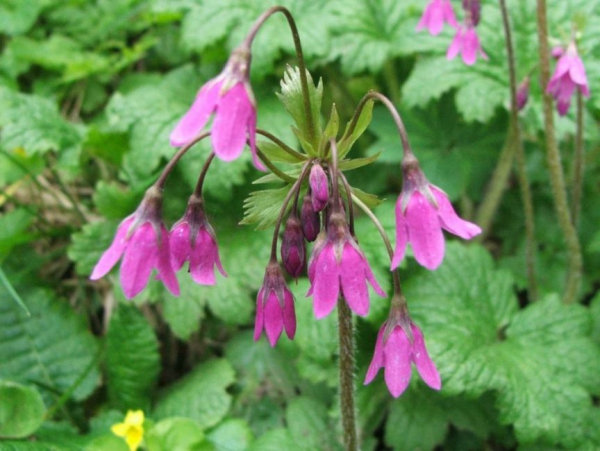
x: 437, y: 12
x: 229, y: 96
x: 466, y: 42
x: 274, y: 307
x: 143, y: 242
x: 193, y: 239
x: 568, y: 76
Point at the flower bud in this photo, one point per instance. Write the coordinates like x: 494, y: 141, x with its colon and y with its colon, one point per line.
x: 557, y: 52
x: 293, y: 249
x: 309, y: 218
x: 319, y: 187
x: 523, y: 93
x: 473, y: 11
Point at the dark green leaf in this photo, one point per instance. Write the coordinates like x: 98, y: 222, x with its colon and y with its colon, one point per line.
x: 88, y: 245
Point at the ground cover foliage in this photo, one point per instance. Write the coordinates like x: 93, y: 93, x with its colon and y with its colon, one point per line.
x: 89, y: 92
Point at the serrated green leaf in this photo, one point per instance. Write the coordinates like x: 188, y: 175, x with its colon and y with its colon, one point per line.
x: 354, y: 163
x: 33, y: 124
x: 51, y: 348
x: 231, y: 435
x: 309, y: 426
x: 184, y: 313
x: 201, y: 395
x: 263, y: 207
x: 132, y: 360
x: 370, y: 200
x: 332, y: 127
x: 88, y: 245
x: 363, y: 121
x: 21, y: 410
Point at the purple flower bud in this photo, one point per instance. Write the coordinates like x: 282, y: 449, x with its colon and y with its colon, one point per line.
x: 523, y: 93
x: 557, y: 52
x: 319, y: 187
x: 473, y: 11
x: 309, y: 218
x: 293, y: 249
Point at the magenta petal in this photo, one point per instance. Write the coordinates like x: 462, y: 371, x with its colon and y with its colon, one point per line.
x: 425, y: 231
x: 179, y: 243
x: 273, y: 318
x: 436, y: 19
x: 326, y: 286
x: 449, y: 14
x: 455, y: 45
x: 197, y: 116
x: 378, y: 360
x: 425, y: 365
x: 163, y: 264
x: 450, y: 220
x: 202, y: 259
x: 138, y: 260
x: 259, y: 321
x: 112, y: 255
x: 354, y: 284
x: 577, y: 72
x: 289, y: 314
x: 231, y: 121
x: 371, y: 278
x: 470, y: 47
x: 401, y: 235
x: 397, y: 362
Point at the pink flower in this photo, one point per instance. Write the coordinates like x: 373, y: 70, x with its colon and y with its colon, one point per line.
x: 568, y: 75
x: 436, y: 13
x: 466, y: 42
x: 274, y: 307
x: 193, y: 240
x: 337, y: 266
x: 293, y: 249
x: 143, y: 242
x: 397, y: 347
x: 319, y: 187
x: 229, y: 96
x: 422, y: 211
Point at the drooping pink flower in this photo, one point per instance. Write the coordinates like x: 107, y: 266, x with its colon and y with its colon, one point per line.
x: 422, y: 211
x: 274, y: 307
x: 310, y: 220
x: 568, y: 75
x: 399, y: 345
x: 338, y: 267
x: 437, y: 12
x: 229, y: 96
x: 193, y: 239
x: 466, y: 42
x: 523, y: 93
x: 143, y: 242
x: 319, y: 187
x: 293, y: 248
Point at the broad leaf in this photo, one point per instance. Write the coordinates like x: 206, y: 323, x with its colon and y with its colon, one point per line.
x: 21, y: 410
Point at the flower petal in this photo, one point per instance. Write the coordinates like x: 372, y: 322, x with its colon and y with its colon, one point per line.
x: 273, y: 318
x: 326, y: 286
x: 179, y: 243
x: 450, y: 220
x: 112, y: 255
x: 138, y: 260
x: 397, y: 362
x: 455, y: 45
x: 425, y: 231
x: 163, y: 264
x: 378, y: 359
x: 289, y: 314
x: 425, y: 365
x: 470, y: 47
x: 231, y: 121
x: 353, y: 280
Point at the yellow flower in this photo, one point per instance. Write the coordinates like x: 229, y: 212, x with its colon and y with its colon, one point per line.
x: 132, y: 429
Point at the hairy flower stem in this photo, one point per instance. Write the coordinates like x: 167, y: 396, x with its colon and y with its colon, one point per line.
x: 346, y: 364
x: 578, y: 165
x: 160, y: 183
x: 555, y: 167
x: 287, y: 149
x: 295, y: 187
x: 299, y: 54
x: 349, y: 196
x: 202, y: 176
x: 520, y: 154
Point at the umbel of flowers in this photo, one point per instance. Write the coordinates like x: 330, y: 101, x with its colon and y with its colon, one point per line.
x: 337, y: 268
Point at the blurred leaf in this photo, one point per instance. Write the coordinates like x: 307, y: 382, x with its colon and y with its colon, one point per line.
x: 17, y: 16
x: 132, y: 360
x: 184, y: 313
x: 13, y: 230
x: 114, y: 202
x: 309, y: 425
x: 12, y: 292
x: 88, y: 245
x: 480, y: 341
x: 174, y: 434
x: 348, y: 139
x: 273, y: 440
x: 201, y: 395
x: 51, y: 348
x: 231, y: 435
x: 21, y: 410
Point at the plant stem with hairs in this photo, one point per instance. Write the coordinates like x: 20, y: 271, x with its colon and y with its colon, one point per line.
x: 555, y: 167
x: 578, y: 166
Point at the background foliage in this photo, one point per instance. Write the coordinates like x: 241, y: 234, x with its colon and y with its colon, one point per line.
x: 89, y: 91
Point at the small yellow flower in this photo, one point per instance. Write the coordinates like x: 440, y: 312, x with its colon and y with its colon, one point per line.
x: 132, y: 429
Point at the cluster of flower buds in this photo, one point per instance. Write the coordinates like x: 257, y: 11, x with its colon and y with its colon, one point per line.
x: 466, y: 41
x: 337, y: 269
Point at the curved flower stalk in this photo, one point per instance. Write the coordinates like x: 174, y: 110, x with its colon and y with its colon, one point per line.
x: 569, y: 76
x: 436, y: 14
x: 143, y: 242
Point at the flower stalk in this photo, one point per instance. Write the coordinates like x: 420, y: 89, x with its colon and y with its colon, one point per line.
x: 578, y: 166
x: 555, y: 167
x: 346, y: 365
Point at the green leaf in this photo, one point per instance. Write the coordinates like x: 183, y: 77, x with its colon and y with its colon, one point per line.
x: 332, y: 128
x: 201, y: 395
x: 263, y: 207
x: 33, y: 123
x: 13, y: 230
x: 21, y: 410
x: 292, y: 98
x: 370, y: 200
x: 231, y: 435
x: 174, y: 434
x: 17, y: 17
x: 540, y: 360
x: 12, y: 292
x: 309, y: 425
x: 88, y: 245
x: 51, y: 348
x: 132, y: 360
x: 114, y: 202
x: 273, y: 440
x: 184, y: 313
x: 354, y: 163
x: 363, y: 121
x: 275, y: 153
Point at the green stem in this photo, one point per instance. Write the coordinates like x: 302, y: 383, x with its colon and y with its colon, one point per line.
x: 555, y: 167
x: 520, y: 154
x: 13, y: 293
x: 391, y: 79
x: 274, y: 169
x: 299, y: 54
x: 346, y: 364
x: 577, y: 188
x: 202, y: 176
x: 287, y: 149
